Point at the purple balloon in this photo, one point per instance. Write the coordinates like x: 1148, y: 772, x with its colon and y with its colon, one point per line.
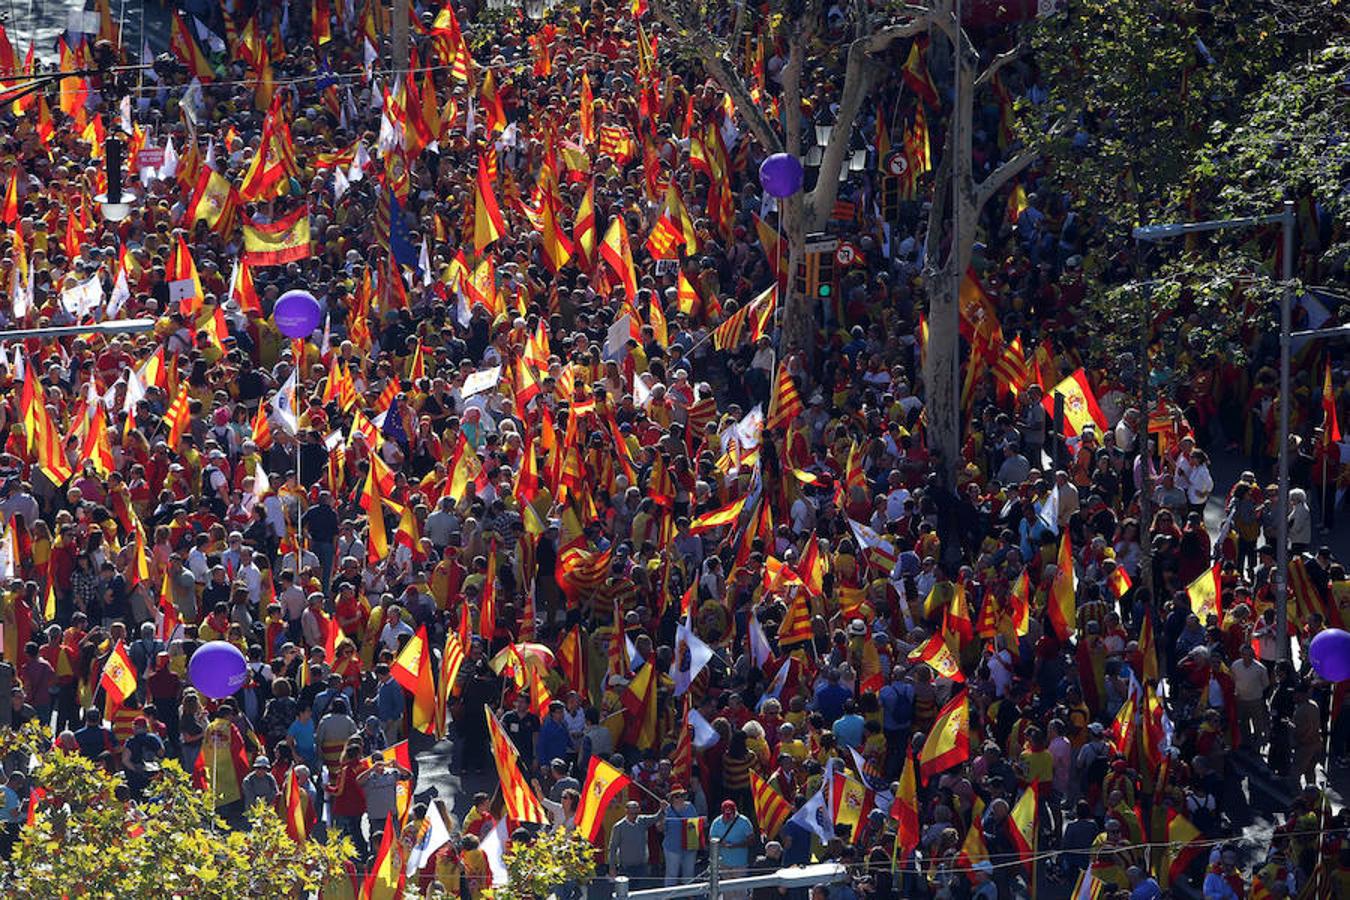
x: 218, y: 669
x: 297, y: 314
x: 1329, y: 654
x: 781, y: 175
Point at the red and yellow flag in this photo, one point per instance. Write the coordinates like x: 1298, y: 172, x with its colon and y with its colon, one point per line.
x: 771, y: 809
x: 521, y: 803
x: 604, y: 785
x: 1204, y: 594
x: 277, y: 243
x: 118, y: 679
x: 1061, y: 603
x: 948, y: 742
x: 1080, y: 404
x: 615, y: 251
x: 412, y: 670
x: 488, y: 224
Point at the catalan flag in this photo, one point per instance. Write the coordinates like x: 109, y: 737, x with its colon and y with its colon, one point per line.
x: 786, y: 404
x: 771, y: 809
x: 521, y: 803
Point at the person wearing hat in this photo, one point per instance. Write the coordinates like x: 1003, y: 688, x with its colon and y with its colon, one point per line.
x: 141, y: 755
x: 736, y: 834
x: 260, y: 784
x: 680, y: 840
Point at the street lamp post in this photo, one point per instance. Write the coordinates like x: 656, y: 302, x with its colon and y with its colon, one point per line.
x: 1286, y: 220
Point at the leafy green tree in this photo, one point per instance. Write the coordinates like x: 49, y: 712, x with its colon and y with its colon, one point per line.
x: 539, y: 867
x: 87, y: 843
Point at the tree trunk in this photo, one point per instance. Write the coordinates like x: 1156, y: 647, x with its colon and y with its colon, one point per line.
x: 941, y: 383
x: 800, y: 321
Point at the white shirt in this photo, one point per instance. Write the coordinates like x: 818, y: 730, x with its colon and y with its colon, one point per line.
x: 895, y: 503
x: 1199, y: 484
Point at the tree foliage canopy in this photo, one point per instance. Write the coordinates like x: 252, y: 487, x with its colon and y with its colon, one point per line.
x: 85, y: 842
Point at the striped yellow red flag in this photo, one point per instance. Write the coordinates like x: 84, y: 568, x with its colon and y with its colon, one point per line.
x: 616, y: 251
x: 1063, y: 608
x: 938, y: 656
x: 726, y: 515
x: 948, y: 741
x: 412, y: 670
x: 521, y: 803
x: 452, y: 660
x: 905, y: 811
x: 604, y: 785
x: 1022, y: 826
x: 385, y: 879
x: 118, y: 679
x: 771, y: 809
x: 786, y: 404
x: 297, y: 824
x: 488, y: 224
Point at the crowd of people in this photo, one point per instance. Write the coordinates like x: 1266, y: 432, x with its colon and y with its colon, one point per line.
x: 576, y: 467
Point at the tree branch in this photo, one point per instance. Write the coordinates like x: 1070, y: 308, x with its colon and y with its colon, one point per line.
x: 999, y: 62
x: 1011, y: 167
x: 858, y: 76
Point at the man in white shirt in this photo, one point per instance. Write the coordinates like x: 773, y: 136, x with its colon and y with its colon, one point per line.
x: 1251, y: 680
x: 394, y: 626
x: 896, y: 496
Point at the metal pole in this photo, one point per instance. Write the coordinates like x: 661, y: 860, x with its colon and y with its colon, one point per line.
x: 714, y: 866
x: 398, y: 50
x: 1280, y: 579
x: 1142, y: 452
x: 621, y: 887
x: 117, y: 326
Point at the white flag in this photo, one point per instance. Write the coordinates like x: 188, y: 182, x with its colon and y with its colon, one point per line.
x: 776, y: 686
x: 494, y: 848
x: 135, y: 391
x: 341, y: 184
x: 760, y: 651
x: 705, y: 735
x: 121, y: 293
x: 815, y: 816
x: 434, y: 838
x: 1049, y: 511
x: 82, y: 299
x: 169, y: 167
x: 700, y: 654
x: 283, y: 405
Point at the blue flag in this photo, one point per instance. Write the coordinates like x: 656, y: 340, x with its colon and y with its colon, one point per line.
x: 400, y: 244
x: 393, y: 425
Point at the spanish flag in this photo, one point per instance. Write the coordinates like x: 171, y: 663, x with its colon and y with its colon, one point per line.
x: 905, y: 811
x: 1062, y: 607
x: 185, y: 47
x: 213, y: 201
x: 938, y: 656
x: 297, y: 822
x: 385, y: 879
x: 1182, y: 836
x: 948, y: 742
x: 412, y: 670
x: 277, y: 243
x: 1203, y: 593
x: 488, y: 224
x: 604, y: 785
x: 1080, y: 404
x: 1022, y: 826
x: 615, y: 251
x: 1331, y: 429
x: 639, y: 701
x: 727, y: 515
x: 118, y: 679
